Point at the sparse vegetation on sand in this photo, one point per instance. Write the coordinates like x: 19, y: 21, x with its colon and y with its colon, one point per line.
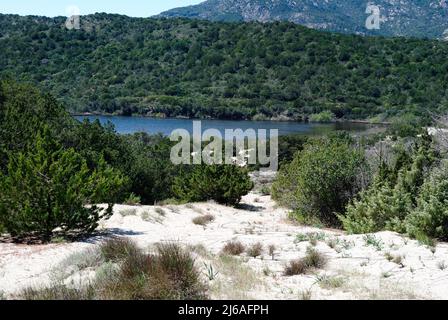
x: 312, y: 260
x: 312, y: 237
x: 373, y: 241
x: 126, y: 272
x: 236, y: 280
x: 330, y: 282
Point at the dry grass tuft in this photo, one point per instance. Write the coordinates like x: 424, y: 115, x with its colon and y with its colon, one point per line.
x: 312, y: 260
x: 234, y: 248
x: 204, y: 220
x: 255, y: 250
x: 117, y: 249
x: 295, y: 267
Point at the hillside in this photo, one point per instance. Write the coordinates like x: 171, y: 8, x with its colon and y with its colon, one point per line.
x: 180, y: 67
x: 427, y: 18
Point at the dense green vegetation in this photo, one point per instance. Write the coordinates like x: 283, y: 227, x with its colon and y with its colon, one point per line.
x: 54, y: 169
x: 367, y: 186
x: 411, y: 198
x: 223, y: 183
x: 181, y: 67
x: 48, y: 187
x: 321, y: 180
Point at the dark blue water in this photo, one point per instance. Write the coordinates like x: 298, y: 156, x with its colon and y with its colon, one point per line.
x: 125, y: 125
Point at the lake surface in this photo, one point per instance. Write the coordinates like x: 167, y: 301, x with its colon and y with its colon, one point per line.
x: 125, y: 125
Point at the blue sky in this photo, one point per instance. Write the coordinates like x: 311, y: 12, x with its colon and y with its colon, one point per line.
x: 51, y: 8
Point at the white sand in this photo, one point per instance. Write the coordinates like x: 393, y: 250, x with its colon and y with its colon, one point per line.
x: 363, y: 270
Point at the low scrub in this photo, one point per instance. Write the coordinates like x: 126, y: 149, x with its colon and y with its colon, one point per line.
x: 131, y: 274
x: 234, y: 248
x: 312, y: 260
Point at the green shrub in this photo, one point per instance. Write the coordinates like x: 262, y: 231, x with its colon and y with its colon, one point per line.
x: 48, y: 187
x: 132, y: 200
x: 406, y: 125
x: 225, y: 184
x: 149, y: 169
x: 320, y: 181
x: 388, y: 201
x: 430, y: 217
x: 289, y: 145
x: 380, y: 207
x: 324, y: 116
x: 24, y: 111
x: 143, y: 158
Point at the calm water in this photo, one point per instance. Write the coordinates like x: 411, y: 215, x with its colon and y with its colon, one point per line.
x: 126, y: 125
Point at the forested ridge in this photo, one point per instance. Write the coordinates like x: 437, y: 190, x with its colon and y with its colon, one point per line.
x: 181, y: 67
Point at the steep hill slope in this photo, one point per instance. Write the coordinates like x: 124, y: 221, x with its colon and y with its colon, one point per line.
x: 418, y: 18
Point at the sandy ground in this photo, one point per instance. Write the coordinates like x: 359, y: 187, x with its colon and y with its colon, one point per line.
x: 381, y: 266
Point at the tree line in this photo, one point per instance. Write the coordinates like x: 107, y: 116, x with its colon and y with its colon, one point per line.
x: 180, y: 67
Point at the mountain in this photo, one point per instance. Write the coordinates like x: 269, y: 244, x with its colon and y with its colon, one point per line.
x: 416, y: 18
x: 197, y: 68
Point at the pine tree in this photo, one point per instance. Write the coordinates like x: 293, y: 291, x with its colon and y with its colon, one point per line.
x: 48, y: 187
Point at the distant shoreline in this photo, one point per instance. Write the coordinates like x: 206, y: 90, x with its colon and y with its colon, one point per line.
x: 91, y: 114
